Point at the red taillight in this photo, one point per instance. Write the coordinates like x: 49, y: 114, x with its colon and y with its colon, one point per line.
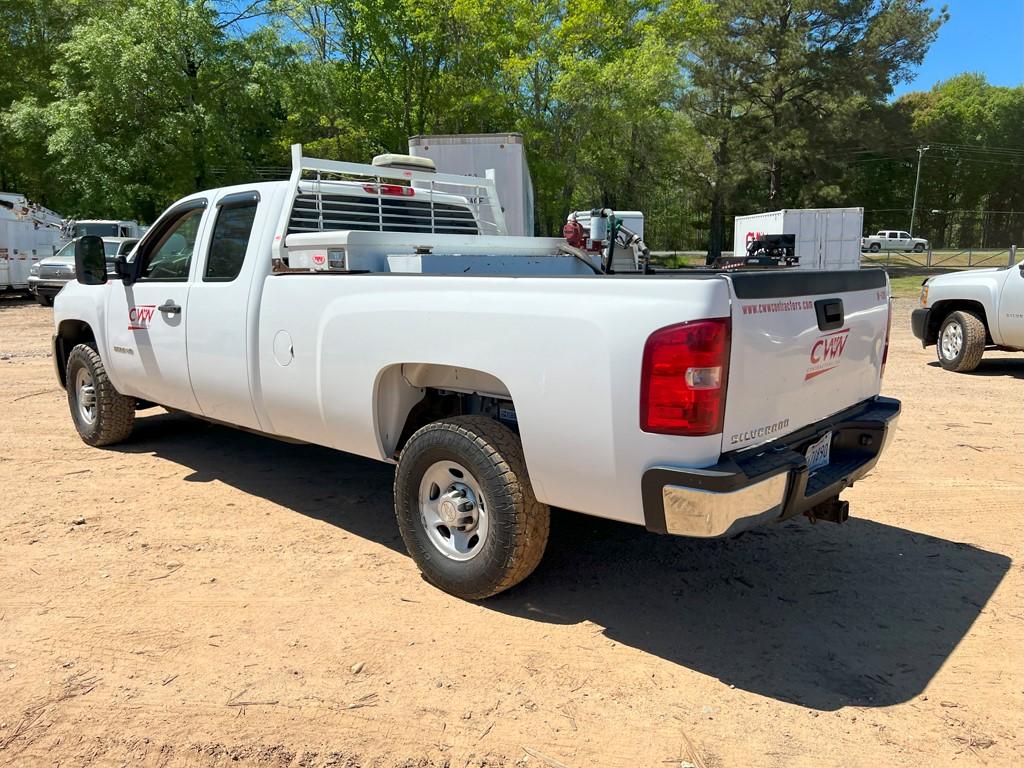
x: 888, y: 329
x: 682, y: 383
x: 390, y: 189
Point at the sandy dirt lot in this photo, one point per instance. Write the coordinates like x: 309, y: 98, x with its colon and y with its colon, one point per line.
x: 232, y: 600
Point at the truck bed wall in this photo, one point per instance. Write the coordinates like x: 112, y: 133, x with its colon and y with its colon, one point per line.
x: 540, y: 337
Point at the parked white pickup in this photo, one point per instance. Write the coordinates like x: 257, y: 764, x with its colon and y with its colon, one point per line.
x: 965, y: 313
x: 893, y: 240
x: 502, y: 375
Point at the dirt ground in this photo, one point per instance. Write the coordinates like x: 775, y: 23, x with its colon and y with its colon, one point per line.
x: 232, y: 600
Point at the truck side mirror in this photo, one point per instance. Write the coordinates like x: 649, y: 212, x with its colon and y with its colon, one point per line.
x: 90, y: 260
x: 122, y: 269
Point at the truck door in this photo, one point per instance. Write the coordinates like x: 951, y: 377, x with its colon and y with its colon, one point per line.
x: 219, y: 312
x: 146, y: 320
x: 1011, y: 308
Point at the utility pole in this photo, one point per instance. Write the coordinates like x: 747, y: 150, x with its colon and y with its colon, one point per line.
x: 917, y: 182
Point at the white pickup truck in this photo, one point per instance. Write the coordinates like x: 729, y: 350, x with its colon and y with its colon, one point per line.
x: 503, y: 375
x: 893, y: 240
x: 965, y: 313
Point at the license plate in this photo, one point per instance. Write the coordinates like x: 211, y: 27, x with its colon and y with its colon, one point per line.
x: 818, y: 453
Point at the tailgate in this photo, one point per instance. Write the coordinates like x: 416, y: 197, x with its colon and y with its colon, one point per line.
x: 805, y: 345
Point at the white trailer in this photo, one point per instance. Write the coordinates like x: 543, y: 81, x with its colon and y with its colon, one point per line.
x: 824, y: 238
x: 477, y: 154
x: 28, y: 233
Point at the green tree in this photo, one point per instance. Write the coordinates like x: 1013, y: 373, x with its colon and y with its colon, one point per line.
x: 151, y: 98
x: 31, y: 32
x: 786, y: 83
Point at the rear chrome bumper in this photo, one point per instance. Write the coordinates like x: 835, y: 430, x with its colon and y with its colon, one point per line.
x: 771, y: 482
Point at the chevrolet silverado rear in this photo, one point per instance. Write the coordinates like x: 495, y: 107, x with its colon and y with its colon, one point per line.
x: 801, y: 356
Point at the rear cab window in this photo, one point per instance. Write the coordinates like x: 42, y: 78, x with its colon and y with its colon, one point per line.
x: 232, y: 229
x: 387, y: 212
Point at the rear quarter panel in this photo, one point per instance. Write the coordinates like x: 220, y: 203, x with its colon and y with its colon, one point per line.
x: 567, y: 349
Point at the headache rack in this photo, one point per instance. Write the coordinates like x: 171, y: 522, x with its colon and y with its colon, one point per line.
x: 328, y: 195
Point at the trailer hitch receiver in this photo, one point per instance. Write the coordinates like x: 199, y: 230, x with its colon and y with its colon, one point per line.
x: 835, y: 510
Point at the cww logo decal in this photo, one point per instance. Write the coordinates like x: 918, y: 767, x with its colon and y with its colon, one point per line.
x: 139, y: 316
x: 826, y: 352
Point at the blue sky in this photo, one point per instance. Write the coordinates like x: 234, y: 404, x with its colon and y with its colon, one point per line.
x: 985, y: 36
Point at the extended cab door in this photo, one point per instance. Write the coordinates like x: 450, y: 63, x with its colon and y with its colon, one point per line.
x: 146, y: 320
x: 1011, y: 308
x: 221, y: 312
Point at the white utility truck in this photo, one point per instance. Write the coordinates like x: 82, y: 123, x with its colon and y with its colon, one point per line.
x: 965, y: 313
x: 809, y: 238
x: 377, y: 310
x: 106, y: 228
x: 28, y: 232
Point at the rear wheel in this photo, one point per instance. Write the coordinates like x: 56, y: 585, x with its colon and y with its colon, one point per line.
x: 102, y: 415
x: 875, y: 247
x: 45, y: 301
x: 466, y: 509
x: 961, y: 342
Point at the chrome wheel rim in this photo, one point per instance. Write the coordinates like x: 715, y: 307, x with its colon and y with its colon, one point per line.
x: 453, y: 510
x: 952, y: 340
x: 85, y: 395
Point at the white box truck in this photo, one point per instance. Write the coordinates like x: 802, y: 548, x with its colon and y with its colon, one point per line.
x: 823, y: 238
x: 474, y: 154
x: 28, y: 233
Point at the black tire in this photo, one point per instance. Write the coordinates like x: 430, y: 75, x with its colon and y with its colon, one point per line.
x: 45, y: 301
x: 518, y: 524
x: 113, y: 413
x: 972, y: 342
x: 874, y: 247
x: 918, y: 247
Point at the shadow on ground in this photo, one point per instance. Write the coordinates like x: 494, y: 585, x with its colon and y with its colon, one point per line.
x: 822, y: 616
x: 13, y: 300
x: 994, y: 366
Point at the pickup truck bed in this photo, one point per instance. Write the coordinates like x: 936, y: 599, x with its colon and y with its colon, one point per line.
x: 697, y: 403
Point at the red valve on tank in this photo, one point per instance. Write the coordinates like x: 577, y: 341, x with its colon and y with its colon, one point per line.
x: 574, y: 234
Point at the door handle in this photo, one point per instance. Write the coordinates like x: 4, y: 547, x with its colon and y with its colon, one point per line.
x: 170, y: 308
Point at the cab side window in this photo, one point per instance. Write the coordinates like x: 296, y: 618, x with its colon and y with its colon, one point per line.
x: 169, y: 259
x: 229, y: 242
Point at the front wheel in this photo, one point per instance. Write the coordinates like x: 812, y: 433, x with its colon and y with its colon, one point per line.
x: 102, y: 415
x: 961, y: 342
x: 918, y: 247
x: 466, y: 509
